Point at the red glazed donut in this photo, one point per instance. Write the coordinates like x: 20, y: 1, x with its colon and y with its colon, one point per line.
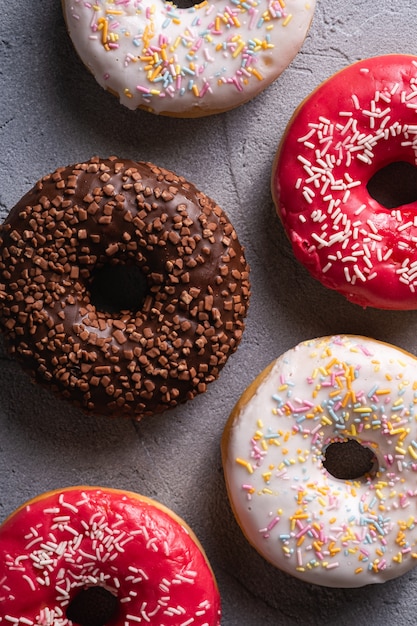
x: 358, y: 122
x: 84, y: 553
x: 121, y: 214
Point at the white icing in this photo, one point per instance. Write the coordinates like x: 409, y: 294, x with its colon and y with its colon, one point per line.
x: 324, y: 530
x: 196, y: 61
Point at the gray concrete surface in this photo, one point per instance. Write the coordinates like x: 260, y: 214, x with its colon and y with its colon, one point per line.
x: 52, y: 112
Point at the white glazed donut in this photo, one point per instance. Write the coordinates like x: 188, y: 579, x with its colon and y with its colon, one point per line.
x: 336, y: 532
x: 190, y: 62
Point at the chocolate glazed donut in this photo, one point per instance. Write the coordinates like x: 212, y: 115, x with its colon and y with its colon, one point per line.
x: 84, y: 219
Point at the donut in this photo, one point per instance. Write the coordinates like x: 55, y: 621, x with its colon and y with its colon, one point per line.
x: 187, y: 62
x: 320, y: 461
x: 93, y: 555
x: 324, y: 182
x: 68, y: 234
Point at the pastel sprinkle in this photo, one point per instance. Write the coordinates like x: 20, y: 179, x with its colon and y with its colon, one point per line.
x: 224, y: 43
x: 345, y: 527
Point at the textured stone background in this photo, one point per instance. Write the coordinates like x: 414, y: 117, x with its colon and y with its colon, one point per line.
x: 53, y: 113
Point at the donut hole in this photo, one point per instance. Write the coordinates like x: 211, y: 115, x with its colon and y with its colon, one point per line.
x: 350, y: 460
x: 185, y: 4
x: 94, y: 606
x: 116, y: 288
x: 394, y: 185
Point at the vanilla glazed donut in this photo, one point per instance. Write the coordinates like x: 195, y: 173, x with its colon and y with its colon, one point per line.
x: 187, y: 62
x: 358, y: 122
x: 111, y: 213
x: 320, y: 461
x: 94, y: 555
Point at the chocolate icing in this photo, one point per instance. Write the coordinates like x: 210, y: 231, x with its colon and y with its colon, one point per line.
x: 86, y: 216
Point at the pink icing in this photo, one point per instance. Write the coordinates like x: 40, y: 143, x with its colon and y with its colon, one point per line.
x: 64, y: 541
x: 354, y: 124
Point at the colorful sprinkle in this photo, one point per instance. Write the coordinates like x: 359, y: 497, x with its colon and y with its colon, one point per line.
x: 328, y: 524
x: 234, y: 49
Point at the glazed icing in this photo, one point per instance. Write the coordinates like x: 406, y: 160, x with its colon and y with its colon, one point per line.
x: 196, y: 61
x: 324, y: 530
x: 140, y: 358
x: 57, y: 544
x: 354, y: 124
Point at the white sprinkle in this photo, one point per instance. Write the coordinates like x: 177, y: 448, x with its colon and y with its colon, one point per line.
x: 303, y: 160
x: 385, y: 122
x: 190, y: 578
x: 405, y: 226
x: 307, y: 136
x: 308, y: 144
x: 359, y: 274
x: 322, y: 242
x: 364, y: 158
x: 307, y: 196
x: 29, y: 581
x: 375, y: 237
x: 385, y: 97
x: 179, y: 610
x: 347, y: 275
x: 368, y: 262
x: 360, y: 209
x: 372, y: 226
x: 69, y: 506
x: 354, y: 183
x: 346, y: 196
x: 71, y: 530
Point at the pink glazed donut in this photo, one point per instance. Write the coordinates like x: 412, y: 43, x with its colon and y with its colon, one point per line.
x: 94, y: 555
x: 361, y: 120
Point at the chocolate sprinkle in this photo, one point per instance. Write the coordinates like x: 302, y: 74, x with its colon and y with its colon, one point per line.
x: 84, y: 217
